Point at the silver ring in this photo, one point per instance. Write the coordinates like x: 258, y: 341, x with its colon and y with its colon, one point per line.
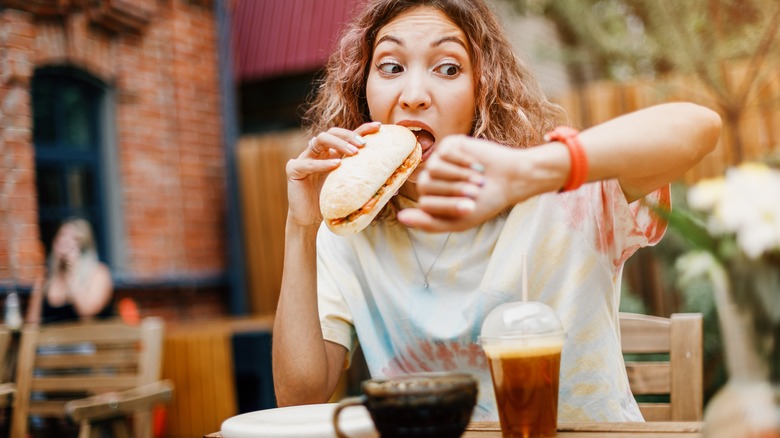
x: 312, y: 147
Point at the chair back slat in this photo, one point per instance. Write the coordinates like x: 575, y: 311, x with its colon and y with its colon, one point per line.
x: 48, y: 408
x: 649, y: 377
x: 644, y: 333
x: 97, y: 333
x: 100, y: 359
x: 680, y: 338
x: 84, y: 383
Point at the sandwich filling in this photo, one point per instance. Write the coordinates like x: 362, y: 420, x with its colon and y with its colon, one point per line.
x: 371, y: 203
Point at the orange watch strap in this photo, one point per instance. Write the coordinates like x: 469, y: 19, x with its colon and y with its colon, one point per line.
x: 578, y: 173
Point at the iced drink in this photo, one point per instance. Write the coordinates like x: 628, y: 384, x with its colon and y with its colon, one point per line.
x: 525, y: 381
x: 523, y: 343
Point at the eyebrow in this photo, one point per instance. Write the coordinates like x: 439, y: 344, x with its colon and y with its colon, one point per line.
x: 446, y: 39
x: 436, y: 43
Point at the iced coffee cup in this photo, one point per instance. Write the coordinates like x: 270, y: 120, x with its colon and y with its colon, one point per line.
x: 523, y: 343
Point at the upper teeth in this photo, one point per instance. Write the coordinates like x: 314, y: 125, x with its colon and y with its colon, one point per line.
x: 414, y: 128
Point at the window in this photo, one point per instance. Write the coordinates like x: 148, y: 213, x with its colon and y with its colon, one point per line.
x: 274, y: 104
x: 67, y: 112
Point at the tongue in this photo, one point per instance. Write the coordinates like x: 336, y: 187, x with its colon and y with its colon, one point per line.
x: 425, y: 139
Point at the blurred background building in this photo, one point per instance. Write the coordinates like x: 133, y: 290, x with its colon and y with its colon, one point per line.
x: 111, y: 110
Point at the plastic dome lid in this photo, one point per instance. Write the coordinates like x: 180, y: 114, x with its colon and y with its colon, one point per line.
x: 515, y: 320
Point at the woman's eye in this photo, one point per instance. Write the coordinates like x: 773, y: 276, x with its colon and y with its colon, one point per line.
x: 448, y: 69
x: 390, y: 68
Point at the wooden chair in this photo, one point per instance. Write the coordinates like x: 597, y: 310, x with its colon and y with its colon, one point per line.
x: 97, y: 373
x: 681, y: 377
x: 7, y: 389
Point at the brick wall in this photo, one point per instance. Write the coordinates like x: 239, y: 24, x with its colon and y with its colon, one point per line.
x: 160, y: 57
x: 21, y: 252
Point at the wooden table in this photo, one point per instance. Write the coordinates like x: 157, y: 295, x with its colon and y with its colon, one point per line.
x: 659, y: 429
x: 676, y: 429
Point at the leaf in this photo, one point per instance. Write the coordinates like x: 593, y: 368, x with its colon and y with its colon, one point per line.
x: 690, y: 227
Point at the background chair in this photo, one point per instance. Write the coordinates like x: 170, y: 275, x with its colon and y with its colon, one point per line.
x: 97, y: 373
x: 7, y: 389
x: 681, y: 376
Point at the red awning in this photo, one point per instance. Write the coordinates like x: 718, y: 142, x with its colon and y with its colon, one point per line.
x: 278, y: 37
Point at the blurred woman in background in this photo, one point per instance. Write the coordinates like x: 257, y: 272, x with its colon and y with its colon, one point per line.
x: 77, y: 285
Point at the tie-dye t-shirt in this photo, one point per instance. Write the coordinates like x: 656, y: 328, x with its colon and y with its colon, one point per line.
x: 371, y: 289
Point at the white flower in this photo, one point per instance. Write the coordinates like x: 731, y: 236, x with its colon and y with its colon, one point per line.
x: 694, y: 264
x: 745, y: 203
x: 706, y: 193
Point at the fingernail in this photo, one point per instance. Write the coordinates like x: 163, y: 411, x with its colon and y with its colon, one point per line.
x: 478, y: 167
x: 335, y: 161
x: 359, y: 138
x: 352, y: 149
x: 471, y: 191
x: 466, y: 205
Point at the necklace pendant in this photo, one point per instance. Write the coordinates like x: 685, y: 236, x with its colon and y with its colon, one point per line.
x: 417, y: 258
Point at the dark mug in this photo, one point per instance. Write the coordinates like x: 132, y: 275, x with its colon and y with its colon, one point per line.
x: 416, y: 405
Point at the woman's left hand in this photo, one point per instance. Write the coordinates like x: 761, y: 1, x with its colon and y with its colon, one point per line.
x: 466, y: 182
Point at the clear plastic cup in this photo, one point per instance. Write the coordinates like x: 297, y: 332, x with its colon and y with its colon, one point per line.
x: 523, y: 343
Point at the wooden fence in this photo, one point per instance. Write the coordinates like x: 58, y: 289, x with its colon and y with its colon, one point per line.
x: 758, y: 128
x: 198, y: 357
x: 263, y: 185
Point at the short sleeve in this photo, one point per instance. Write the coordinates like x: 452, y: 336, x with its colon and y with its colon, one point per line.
x: 648, y: 221
x: 620, y: 228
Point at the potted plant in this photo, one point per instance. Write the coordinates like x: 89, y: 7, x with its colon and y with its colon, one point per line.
x: 734, y: 226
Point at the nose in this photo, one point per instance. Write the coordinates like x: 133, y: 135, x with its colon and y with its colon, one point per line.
x: 415, y: 94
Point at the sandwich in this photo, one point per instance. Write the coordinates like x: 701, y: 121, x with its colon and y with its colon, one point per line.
x: 356, y: 191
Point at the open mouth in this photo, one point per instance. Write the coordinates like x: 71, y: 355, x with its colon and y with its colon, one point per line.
x: 425, y: 138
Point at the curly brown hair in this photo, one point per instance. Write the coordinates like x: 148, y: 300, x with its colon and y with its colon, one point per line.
x: 511, y: 107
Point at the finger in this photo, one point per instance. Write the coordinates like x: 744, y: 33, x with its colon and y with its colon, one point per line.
x: 326, y: 143
x: 461, y: 151
x: 368, y: 128
x: 353, y: 137
x: 428, y: 186
x: 338, y: 140
x: 439, y: 169
x: 454, y: 153
x: 314, y: 147
x: 298, y: 169
x: 447, y: 206
x: 417, y: 218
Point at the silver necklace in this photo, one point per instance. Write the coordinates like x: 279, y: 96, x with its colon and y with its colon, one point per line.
x: 417, y: 258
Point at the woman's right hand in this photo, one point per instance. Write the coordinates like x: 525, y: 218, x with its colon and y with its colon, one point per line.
x: 306, y: 174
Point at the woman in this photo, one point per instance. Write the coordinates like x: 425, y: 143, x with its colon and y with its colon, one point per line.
x: 416, y: 300
x: 77, y: 285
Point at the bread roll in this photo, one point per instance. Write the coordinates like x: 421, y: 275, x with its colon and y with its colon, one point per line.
x: 347, y: 199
